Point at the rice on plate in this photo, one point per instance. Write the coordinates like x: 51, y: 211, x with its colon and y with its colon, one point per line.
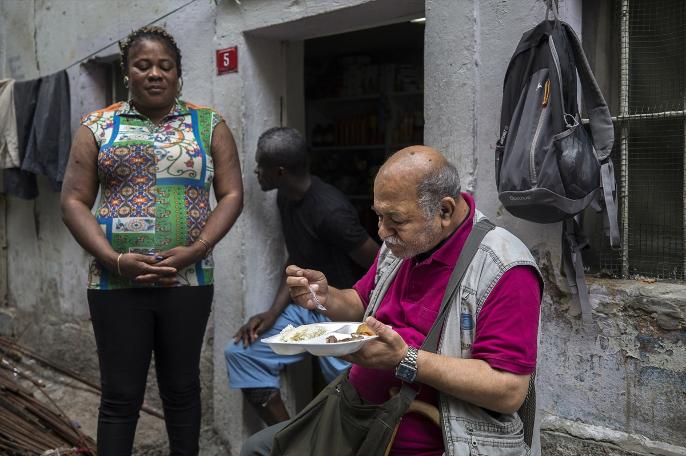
x: 305, y: 332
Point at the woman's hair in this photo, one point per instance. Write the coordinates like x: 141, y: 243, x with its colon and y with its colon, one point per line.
x: 436, y: 185
x: 149, y: 32
x: 283, y: 146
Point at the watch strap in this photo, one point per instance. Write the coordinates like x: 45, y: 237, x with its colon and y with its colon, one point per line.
x: 410, y: 359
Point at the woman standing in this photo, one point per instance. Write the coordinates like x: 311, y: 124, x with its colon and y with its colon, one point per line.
x: 150, y: 288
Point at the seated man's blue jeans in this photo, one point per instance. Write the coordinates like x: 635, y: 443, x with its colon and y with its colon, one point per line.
x: 257, y: 366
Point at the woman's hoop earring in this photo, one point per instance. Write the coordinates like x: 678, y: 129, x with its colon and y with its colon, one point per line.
x: 180, y: 86
x: 126, y: 82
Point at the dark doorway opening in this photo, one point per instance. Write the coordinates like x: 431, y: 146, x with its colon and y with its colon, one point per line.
x: 364, y: 100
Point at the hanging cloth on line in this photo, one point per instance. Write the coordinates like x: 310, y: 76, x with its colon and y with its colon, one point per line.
x: 9, y: 149
x: 16, y: 182
x: 43, y: 116
x: 47, y: 151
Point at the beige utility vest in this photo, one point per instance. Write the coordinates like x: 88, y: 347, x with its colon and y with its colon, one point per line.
x: 469, y: 429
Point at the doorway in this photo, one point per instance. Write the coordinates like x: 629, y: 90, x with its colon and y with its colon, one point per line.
x: 364, y: 100
x: 274, y: 80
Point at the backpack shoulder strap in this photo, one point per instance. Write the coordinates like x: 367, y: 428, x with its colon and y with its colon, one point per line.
x: 602, y: 130
x: 601, y: 122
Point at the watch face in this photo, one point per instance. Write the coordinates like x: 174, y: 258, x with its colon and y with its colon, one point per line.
x: 405, y: 373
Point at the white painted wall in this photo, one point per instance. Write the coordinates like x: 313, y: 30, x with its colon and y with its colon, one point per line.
x: 3, y: 43
x: 268, y: 70
x: 468, y: 44
x: 47, y: 269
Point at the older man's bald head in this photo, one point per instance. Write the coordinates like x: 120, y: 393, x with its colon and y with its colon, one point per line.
x: 413, y: 163
x: 425, y: 169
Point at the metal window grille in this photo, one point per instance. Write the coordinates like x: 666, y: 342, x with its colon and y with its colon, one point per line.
x: 650, y: 144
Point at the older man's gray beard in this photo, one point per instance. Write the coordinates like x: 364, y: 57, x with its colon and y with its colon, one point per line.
x: 426, y: 240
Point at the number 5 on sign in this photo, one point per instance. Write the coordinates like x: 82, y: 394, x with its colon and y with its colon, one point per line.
x: 227, y: 60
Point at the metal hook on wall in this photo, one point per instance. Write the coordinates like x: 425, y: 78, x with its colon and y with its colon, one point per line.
x: 554, y: 6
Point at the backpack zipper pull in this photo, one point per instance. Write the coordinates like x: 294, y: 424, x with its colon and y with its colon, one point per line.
x: 546, y: 93
x: 503, y: 135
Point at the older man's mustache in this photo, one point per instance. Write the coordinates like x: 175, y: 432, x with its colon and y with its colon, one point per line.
x: 392, y: 240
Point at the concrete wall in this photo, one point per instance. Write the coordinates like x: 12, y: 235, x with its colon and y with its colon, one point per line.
x: 617, y: 390
x: 621, y: 387
x: 624, y: 375
x: 47, y: 270
x: 3, y: 44
x: 270, y: 70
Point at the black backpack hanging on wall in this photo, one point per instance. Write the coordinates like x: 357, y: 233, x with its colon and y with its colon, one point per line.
x: 548, y: 166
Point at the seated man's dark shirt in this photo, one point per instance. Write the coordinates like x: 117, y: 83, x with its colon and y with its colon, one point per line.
x: 321, y: 230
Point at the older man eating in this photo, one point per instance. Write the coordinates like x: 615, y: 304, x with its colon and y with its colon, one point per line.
x: 480, y: 375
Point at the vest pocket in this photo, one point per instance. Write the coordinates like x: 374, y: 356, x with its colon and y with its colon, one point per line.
x: 488, y: 435
x: 486, y: 443
x: 467, y: 323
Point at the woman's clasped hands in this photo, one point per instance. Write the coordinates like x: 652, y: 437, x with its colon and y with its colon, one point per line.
x: 160, y: 268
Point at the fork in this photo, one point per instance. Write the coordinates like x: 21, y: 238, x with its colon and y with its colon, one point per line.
x: 315, y: 299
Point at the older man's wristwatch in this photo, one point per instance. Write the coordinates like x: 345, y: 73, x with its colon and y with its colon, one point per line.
x: 406, y: 370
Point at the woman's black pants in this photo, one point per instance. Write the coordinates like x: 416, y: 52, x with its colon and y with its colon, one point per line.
x: 131, y: 324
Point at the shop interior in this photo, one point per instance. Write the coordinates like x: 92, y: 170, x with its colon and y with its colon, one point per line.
x: 364, y: 100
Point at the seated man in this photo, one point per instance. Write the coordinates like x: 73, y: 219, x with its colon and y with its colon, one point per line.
x: 481, y: 377
x: 322, y: 230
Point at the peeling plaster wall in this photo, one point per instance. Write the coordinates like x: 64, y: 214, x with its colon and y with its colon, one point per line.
x: 627, y: 374
x: 47, y: 270
x: 620, y: 389
x: 3, y: 45
x: 261, y: 244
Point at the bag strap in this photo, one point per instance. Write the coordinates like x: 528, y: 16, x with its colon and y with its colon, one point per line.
x: 471, y: 246
x: 607, y: 181
x: 554, y: 8
x: 574, y: 268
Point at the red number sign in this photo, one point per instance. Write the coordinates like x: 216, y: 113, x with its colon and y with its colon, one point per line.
x: 227, y: 60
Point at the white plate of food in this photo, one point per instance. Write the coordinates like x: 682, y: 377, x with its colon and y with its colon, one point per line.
x: 321, y: 339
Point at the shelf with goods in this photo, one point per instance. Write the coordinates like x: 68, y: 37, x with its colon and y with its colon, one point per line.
x: 357, y: 114
x: 379, y: 106
x: 351, y: 171
x: 371, y: 97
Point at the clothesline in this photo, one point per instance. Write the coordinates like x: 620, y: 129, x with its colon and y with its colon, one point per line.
x: 77, y: 62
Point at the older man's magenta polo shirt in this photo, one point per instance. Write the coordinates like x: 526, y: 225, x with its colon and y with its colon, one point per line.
x: 505, y: 333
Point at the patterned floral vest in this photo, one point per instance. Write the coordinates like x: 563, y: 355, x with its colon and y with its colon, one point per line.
x: 154, y: 184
